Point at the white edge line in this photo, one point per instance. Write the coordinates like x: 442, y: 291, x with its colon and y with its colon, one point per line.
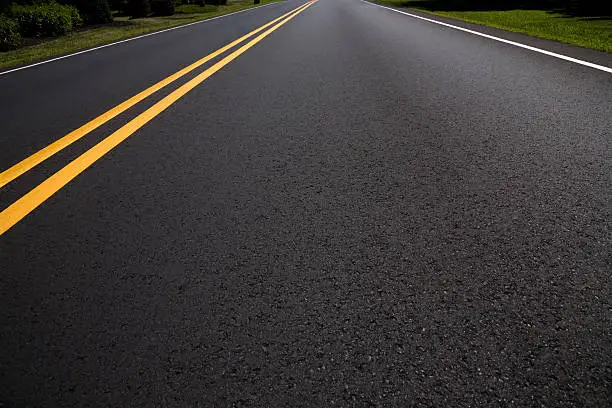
x: 516, y: 44
x: 132, y: 39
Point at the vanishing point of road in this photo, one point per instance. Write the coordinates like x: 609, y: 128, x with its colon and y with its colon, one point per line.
x: 313, y: 204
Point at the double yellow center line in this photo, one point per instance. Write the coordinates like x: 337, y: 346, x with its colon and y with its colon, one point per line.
x: 31, y: 200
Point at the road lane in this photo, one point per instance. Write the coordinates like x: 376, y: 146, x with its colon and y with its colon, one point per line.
x: 43, y: 154
x: 479, y: 32
x: 38, y: 195
x: 64, y: 95
x: 129, y: 39
x: 363, y: 209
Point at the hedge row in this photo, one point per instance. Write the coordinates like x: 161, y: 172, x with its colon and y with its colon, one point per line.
x: 92, y: 11
x: 138, y: 8
x: 50, y: 19
x: 45, y: 18
x: 5, y: 5
x: 36, y: 20
x: 142, y: 8
x: 9, y: 34
x: 163, y: 7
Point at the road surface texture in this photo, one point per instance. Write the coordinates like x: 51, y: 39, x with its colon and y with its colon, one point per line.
x: 363, y: 209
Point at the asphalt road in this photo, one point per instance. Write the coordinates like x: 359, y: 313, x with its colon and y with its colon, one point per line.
x: 363, y: 209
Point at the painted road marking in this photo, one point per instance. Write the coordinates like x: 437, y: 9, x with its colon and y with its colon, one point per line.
x: 39, y: 194
x: 491, y: 37
x: 130, y: 39
x: 35, y: 159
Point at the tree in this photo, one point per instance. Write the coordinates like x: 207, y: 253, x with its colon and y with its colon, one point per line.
x: 139, y: 8
x: 92, y: 11
x: 5, y: 5
x: 163, y: 7
x: 95, y: 11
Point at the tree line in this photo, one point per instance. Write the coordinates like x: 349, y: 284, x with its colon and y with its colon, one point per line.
x: 51, y: 18
x: 584, y: 8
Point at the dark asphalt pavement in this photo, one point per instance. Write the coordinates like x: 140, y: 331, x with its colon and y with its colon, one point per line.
x: 364, y: 209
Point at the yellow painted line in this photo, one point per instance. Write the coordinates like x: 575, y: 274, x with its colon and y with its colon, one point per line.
x: 28, y: 163
x: 39, y: 194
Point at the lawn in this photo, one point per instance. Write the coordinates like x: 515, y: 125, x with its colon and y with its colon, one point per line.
x: 121, y: 28
x: 587, y: 32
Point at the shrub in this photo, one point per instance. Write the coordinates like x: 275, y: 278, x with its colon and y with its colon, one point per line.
x: 119, y: 5
x: 93, y: 11
x: 5, y: 6
x: 75, y: 16
x: 49, y: 19
x: 139, y: 8
x: 9, y: 34
x: 163, y: 7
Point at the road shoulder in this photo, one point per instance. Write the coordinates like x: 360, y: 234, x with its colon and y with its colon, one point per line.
x: 573, y: 51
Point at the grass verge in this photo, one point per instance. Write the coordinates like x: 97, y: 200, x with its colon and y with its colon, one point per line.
x: 120, y: 29
x: 595, y: 33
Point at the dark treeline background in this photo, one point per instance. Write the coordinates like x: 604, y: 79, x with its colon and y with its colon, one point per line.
x: 583, y: 8
x: 36, y: 19
x: 591, y: 8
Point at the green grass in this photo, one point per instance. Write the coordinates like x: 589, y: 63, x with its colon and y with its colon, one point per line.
x: 121, y: 28
x: 589, y: 33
